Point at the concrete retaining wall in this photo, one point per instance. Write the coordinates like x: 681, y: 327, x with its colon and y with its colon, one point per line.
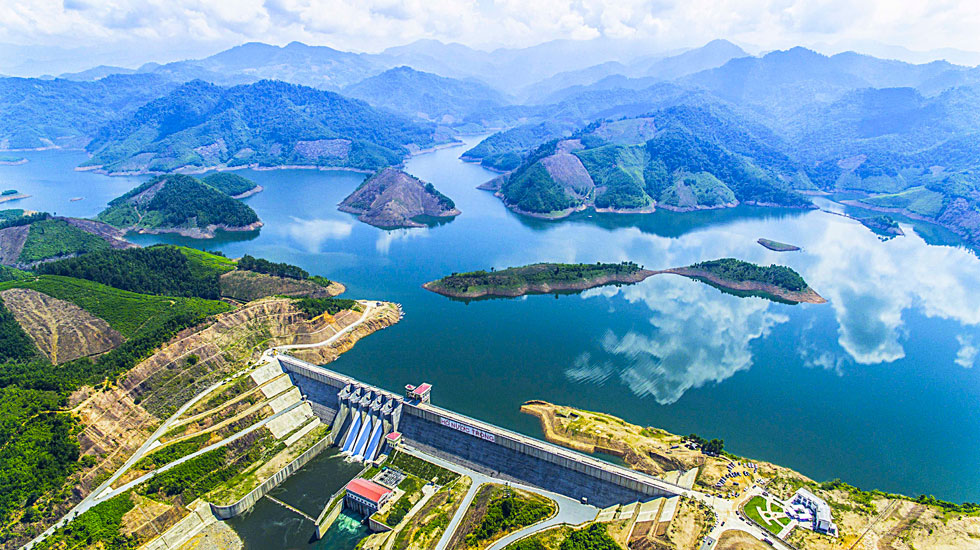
x: 249, y: 500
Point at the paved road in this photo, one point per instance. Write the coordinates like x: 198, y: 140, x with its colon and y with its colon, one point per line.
x: 97, y: 495
x: 727, y: 513
x: 570, y: 511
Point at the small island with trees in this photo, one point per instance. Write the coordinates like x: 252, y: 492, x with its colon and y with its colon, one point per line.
x: 777, y: 246
x: 543, y: 278
x: 774, y: 280
x: 392, y: 199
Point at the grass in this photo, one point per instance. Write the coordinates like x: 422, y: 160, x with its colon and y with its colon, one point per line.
x: 52, y: 238
x: 125, y: 311
x: 917, y: 200
x: 206, y: 262
x: 420, y: 468
x: 754, y: 510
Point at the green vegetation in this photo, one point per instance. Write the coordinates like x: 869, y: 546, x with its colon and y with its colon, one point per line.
x: 412, y: 486
x: 917, y: 200
x: 15, y: 344
x: 754, y: 509
x: 146, y: 321
x: 593, y: 537
x: 777, y: 246
x: 508, y: 511
x: 230, y: 184
x: 38, y: 447
x: 9, y: 192
x: 14, y: 221
x: 11, y: 214
x: 714, y: 446
x: 95, y: 528
x: 203, y: 261
x: 420, y: 468
x: 444, y: 202
x: 258, y: 265
x: 176, y: 201
x: 160, y: 270
x: 731, y: 269
x: 51, y: 238
x: 314, y: 307
x: 515, y: 278
x: 274, y: 123
x: 172, y: 452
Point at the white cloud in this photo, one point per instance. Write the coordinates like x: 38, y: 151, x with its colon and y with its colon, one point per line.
x: 967, y: 355
x: 313, y: 233
x: 370, y: 25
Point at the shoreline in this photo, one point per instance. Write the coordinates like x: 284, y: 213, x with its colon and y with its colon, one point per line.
x: 253, y: 191
x: 808, y: 296
x: 208, y: 232
x: 18, y: 196
x: 221, y: 168
x: 544, y: 288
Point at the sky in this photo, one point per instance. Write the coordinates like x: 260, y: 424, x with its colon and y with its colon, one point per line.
x: 130, y: 32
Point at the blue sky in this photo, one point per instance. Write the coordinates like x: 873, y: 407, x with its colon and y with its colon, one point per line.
x: 132, y: 31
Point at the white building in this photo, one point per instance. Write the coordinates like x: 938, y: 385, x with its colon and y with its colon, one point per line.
x: 819, y: 515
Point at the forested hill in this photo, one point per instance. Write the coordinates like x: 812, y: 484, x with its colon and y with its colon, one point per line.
x: 62, y: 113
x: 680, y: 159
x: 274, y: 124
x: 180, y: 204
x: 425, y: 95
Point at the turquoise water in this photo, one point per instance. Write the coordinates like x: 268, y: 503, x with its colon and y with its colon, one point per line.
x: 878, y: 387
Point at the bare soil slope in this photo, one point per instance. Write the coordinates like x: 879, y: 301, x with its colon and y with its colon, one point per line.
x: 391, y: 198
x: 248, y: 285
x: 60, y: 329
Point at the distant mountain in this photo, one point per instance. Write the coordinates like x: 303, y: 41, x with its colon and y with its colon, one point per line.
x: 425, y: 95
x: 62, y: 113
x: 636, y: 75
x: 95, y: 73
x: 181, y: 204
x: 780, y: 82
x: 200, y: 126
x: 315, y: 66
x: 679, y: 159
x: 391, y: 199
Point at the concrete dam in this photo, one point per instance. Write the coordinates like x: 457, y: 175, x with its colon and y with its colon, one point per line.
x: 365, y: 419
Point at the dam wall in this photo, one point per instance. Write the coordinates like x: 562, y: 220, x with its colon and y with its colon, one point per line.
x: 483, y: 447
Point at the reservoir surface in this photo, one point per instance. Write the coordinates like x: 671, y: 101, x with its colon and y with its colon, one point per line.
x: 879, y: 387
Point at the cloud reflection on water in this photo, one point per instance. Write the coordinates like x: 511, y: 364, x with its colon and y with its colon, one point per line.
x: 311, y: 234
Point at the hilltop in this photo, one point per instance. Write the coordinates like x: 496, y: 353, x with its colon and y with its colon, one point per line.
x: 678, y: 159
x: 179, y: 204
x: 276, y: 124
x: 391, y: 198
x: 27, y: 241
x: 425, y: 95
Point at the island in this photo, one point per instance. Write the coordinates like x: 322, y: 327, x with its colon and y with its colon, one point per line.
x: 773, y: 281
x: 11, y: 160
x: 882, y: 224
x: 12, y: 195
x: 233, y: 185
x: 777, y: 246
x: 543, y: 278
x: 182, y: 204
x: 393, y: 199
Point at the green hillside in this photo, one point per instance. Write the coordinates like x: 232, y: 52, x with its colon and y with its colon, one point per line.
x: 229, y: 184
x: 175, y: 202
x: 268, y: 123
x: 52, y: 238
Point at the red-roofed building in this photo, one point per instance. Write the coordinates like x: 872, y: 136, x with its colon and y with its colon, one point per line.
x: 365, y: 497
x: 418, y: 393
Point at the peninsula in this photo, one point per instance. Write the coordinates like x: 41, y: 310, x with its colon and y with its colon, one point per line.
x: 180, y: 204
x: 924, y: 521
x: 233, y: 185
x: 775, y: 280
x: 393, y: 199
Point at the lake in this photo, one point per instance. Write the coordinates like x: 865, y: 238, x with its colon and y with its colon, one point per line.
x: 878, y: 387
